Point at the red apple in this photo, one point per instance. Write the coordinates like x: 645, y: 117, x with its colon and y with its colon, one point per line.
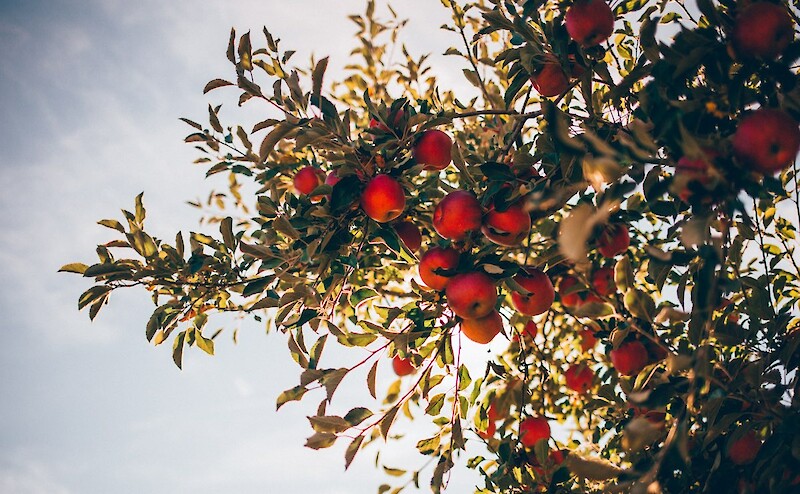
x: 509, y: 227
x: 629, y: 358
x: 410, y: 235
x: 745, y: 449
x: 494, y: 414
x: 383, y: 199
x: 484, y: 329
x: 471, y: 295
x: 308, y: 179
x: 572, y: 299
x: 603, y: 281
x: 588, y: 340
x: 332, y: 178
x: 457, y: 215
x: 530, y: 329
x: 542, y: 292
x: 433, y: 149
x: 614, y: 240
x: 437, y: 258
x: 579, y: 378
x: 762, y: 30
x: 767, y: 140
x: 589, y: 22
x: 550, y: 80
x: 533, y: 429
x: 374, y: 123
x: 402, y: 366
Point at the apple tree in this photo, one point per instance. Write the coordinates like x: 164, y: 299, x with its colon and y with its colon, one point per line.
x: 615, y: 210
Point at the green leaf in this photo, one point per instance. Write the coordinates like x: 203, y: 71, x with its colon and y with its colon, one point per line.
x: 105, y: 269
x: 357, y: 415
x: 214, y: 84
x: 293, y: 394
x: 177, y: 349
x: 329, y: 423
x: 92, y: 294
x: 316, y: 77
x: 203, y: 343
x: 321, y: 440
x: 140, y: 212
x: 255, y: 287
x: 351, y: 451
x: 272, y: 139
x: 75, y: 267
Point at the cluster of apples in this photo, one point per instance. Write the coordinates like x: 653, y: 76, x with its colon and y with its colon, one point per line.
x: 588, y: 23
x: 766, y: 140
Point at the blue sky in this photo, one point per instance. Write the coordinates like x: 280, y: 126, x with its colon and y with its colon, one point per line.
x: 90, y: 94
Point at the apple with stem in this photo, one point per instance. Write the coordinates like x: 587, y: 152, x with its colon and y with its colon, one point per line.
x: 550, y: 80
x: 579, y: 378
x: 532, y: 430
x: 403, y: 366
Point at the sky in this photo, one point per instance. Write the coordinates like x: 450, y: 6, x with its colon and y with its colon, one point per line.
x: 90, y: 95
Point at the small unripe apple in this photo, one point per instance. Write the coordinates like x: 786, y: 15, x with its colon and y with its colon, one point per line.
x: 402, y: 366
x: 629, y: 358
x: 579, y: 377
x: 457, y: 215
x: 308, y: 179
x: 471, y: 295
x: 542, y: 292
x: 603, y: 281
x: 589, y: 22
x: 551, y: 80
x: 437, y: 258
x: 533, y: 429
x: 433, y: 149
x: 614, y: 240
x: 383, y: 199
x: 509, y: 227
x: 762, y: 30
x: 745, y: 449
x: 484, y: 329
x: 410, y: 235
x: 767, y: 140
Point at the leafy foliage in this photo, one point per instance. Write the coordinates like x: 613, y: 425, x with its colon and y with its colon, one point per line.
x: 708, y: 287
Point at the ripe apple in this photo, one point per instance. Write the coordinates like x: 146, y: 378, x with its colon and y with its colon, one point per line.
x: 629, y: 358
x: 471, y: 295
x: 509, y: 227
x: 332, y: 178
x: 550, y: 80
x: 589, y: 22
x: 495, y: 414
x: 410, y: 235
x: 383, y: 199
x: 490, y: 431
x: 588, y: 339
x: 437, y: 258
x: 374, y: 123
x: 745, y: 449
x: 530, y: 330
x: 579, y: 378
x: 614, y: 240
x: 603, y: 281
x: 573, y: 299
x: 542, y: 292
x: 533, y: 429
x: 767, y: 140
x: 433, y: 149
x: 402, y: 366
x: 762, y: 30
x: 308, y: 179
x: 484, y: 329
x: 457, y: 215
